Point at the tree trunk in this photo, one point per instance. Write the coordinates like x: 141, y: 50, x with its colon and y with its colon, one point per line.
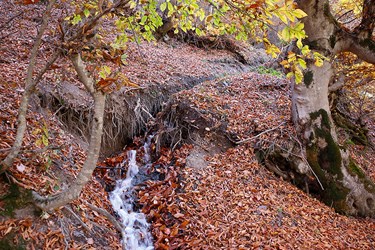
x: 84, y: 176
x: 74, y: 190
x: 30, y: 84
x: 344, y: 185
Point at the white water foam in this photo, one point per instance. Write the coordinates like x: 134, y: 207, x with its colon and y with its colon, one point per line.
x: 136, y: 235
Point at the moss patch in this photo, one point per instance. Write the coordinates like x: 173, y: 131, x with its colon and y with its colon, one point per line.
x: 308, y: 78
x: 7, y: 243
x: 326, y: 162
x: 354, y: 170
x: 325, y: 118
x: 16, y: 198
x: 334, y: 193
x: 358, y: 134
x: 368, y: 43
x: 329, y: 157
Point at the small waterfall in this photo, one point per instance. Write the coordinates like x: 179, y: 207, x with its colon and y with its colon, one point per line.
x: 136, y: 235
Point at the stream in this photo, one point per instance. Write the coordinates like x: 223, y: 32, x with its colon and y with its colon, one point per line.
x: 136, y: 233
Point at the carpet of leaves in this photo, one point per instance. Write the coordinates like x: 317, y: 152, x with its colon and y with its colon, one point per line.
x: 232, y: 204
x: 47, y: 166
x: 235, y: 203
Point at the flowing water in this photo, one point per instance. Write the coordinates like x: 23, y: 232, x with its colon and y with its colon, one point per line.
x: 136, y: 234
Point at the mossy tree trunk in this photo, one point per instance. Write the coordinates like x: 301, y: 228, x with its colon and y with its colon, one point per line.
x: 344, y: 185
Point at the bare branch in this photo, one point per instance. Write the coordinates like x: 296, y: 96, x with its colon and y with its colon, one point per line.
x: 107, y: 215
x: 78, y: 219
x: 29, y: 86
x: 93, y: 21
x: 83, y: 75
x: 264, y: 132
x: 10, y: 20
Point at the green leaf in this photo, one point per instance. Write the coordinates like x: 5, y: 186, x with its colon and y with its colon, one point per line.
x: 143, y: 20
x: 132, y: 5
x: 163, y: 6
x: 123, y: 58
x: 45, y: 140
x: 285, y: 34
x: 201, y: 15
x: 283, y: 18
x: 198, y: 31
x: 170, y: 6
x: 102, y: 74
x: 45, y: 131
x: 290, y: 16
x: 76, y: 19
x: 107, y: 69
x: 305, y: 50
x: 299, y: 26
x: 299, y: 43
x: 86, y: 12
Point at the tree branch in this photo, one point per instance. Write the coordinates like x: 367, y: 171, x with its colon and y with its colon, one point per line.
x: 366, y: 27
x: 29, y: 86
x: 92, y: 21
x: 363, y: 48
x: 83, y: 75
x: 264, y: 132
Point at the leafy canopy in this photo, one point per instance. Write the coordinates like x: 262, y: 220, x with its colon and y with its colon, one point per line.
x: 243, y: 19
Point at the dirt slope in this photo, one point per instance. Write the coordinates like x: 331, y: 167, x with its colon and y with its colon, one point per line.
x: 234, y: 203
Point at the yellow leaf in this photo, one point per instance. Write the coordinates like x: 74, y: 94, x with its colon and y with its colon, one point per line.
x: 290, y: 16
x: 283, y: 18
x: 305, y: 50
x: 285, y: 34
x: 299, y: 43
x: 299, y: 13
x: 302, y: 63
x: 290, y: 75
x: 318, y: 62
x: 298, y: 75
x: 45, y: 140
x: 209, y: 18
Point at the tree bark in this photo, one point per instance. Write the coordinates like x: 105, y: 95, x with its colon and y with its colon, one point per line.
x: 74, y: 190
x: 345, y: 186
x: 30, y: 84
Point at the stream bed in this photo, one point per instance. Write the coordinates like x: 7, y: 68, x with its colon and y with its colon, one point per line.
x: 136, y: 234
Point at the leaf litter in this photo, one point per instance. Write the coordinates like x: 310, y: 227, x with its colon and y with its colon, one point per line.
x: 234, y: 203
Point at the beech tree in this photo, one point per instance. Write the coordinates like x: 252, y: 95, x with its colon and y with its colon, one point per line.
x: 309, y: 25
x: 345, y: 186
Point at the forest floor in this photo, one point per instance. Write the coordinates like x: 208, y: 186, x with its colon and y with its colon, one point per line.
x: 232, y: 203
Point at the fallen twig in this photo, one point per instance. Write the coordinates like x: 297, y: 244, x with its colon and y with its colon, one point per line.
x: 107, y: 215
x: 112, y: 219
x: 79, y: 219
x: 264, y: 132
